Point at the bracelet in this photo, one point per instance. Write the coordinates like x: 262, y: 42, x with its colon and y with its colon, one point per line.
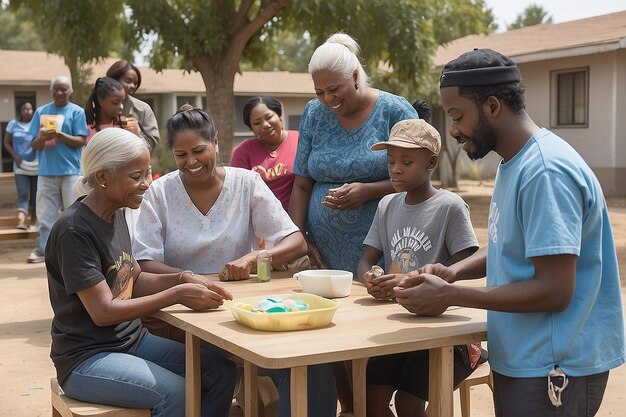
x: 181, y: 273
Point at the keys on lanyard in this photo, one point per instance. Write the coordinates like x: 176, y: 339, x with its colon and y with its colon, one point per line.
x: 557, y: 382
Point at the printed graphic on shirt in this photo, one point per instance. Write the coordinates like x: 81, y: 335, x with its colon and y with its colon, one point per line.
x: 494, y: 217
x: 405, y: 245
x: 123, y: 287
x: 272, y: 172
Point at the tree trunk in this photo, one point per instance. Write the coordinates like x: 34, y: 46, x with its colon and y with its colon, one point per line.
x: 79, y: 74
x: 219, y: 80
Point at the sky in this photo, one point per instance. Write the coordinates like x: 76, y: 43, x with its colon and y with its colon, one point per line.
x: 505, y: 11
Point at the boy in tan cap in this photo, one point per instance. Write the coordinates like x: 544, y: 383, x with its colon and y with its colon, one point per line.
x: 416, y: 226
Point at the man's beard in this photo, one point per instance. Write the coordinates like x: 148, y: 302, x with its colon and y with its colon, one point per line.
x: 487, y: 137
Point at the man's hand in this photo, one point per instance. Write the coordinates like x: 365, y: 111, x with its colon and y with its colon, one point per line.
x: 444, y: 272
x: 424, y: 295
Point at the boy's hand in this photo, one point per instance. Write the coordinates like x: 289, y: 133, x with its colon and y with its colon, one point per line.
x: 424, y: 295
x: 382, y: 287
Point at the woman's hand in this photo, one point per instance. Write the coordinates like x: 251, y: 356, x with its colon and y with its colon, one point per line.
x: 198, y: 297
x: 238, y: 269
x: 381, y: 287
x: 347, y: 197
x: 315, y: 256
x: 190, y: 277
x: 132, y: 126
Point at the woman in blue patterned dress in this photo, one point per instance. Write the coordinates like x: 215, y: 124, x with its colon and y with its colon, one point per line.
x: 339, y: 180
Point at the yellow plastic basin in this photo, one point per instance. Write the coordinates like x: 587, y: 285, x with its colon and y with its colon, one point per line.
x: 320, y: 313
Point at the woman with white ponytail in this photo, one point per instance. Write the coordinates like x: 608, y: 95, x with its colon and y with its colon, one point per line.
x: 100, y: 349
x: 339, y: 180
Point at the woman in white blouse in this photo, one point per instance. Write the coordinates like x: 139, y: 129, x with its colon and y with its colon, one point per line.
x: 205, y: 217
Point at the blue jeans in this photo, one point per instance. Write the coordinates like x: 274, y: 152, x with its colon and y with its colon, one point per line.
x: 153, y: 377
x: 322, y: 391
x: 26, y: 192
x: 53, y: 193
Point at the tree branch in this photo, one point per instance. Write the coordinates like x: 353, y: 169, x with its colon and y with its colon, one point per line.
x: 241, y: 17
x: 242, y: 36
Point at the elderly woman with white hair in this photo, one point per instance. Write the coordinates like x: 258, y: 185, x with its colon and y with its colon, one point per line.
x: 339, y: 180
x: 98, y: 292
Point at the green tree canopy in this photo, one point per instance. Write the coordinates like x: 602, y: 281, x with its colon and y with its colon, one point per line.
x: 532, y: 15
x: 80, y: 32
x: 17, y: 31
x: 213, y: 36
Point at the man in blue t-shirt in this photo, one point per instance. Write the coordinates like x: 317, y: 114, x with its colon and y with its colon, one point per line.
x: 555, y: 320
x: 59, y: 129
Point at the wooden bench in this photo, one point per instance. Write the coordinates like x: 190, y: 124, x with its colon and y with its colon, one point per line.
x: 64, y: 406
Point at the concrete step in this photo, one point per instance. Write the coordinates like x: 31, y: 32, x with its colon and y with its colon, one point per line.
x: 15, y: 234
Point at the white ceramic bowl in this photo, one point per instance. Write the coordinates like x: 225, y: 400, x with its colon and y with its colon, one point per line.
x: 328, y: 283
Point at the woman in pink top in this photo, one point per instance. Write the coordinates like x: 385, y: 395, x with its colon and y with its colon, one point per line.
x: 104, y: 107
x: 272, y: 152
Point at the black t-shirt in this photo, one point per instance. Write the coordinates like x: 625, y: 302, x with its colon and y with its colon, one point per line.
x: 83, y: 249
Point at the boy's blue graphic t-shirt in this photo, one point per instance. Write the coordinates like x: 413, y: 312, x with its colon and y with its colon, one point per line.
x: 56, y: 158
x: 547, y: 201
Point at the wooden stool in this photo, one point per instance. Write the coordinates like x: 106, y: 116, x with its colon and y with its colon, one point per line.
x: 482, y: 375
x: 267, y: 395
x: 64, y: 406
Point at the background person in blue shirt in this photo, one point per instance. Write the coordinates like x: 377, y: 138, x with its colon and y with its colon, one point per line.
x: 555, y: 320
x: 60, y: 130
x: 19, y: 144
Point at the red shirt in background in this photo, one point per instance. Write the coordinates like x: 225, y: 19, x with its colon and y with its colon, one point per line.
x: 276, y: 168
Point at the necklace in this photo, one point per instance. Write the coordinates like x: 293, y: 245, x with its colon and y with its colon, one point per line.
x: 283, y: 137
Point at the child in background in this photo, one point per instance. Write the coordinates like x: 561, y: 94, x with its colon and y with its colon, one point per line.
x: 105, y: 106
x: 416, y: 226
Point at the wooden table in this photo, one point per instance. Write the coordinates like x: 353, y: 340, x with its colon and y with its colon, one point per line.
x: 362, y: 328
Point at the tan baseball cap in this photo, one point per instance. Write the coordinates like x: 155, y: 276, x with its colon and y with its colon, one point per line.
x: 412, y: 134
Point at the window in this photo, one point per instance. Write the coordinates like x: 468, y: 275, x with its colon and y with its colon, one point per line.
x: 181, y: 100
x: 570, y: 98
x: 294, y: 122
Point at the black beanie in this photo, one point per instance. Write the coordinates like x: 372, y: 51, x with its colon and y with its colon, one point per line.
x: 479, y: 67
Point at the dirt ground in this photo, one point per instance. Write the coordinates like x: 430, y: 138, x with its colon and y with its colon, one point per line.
x: 25, y: 314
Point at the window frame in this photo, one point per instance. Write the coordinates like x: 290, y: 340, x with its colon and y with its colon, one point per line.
x: 554, y: 98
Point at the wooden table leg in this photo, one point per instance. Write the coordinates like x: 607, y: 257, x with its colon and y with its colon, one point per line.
x: 441, y: 382
x: 359, y: 386
x: 192, y: 375
x: 250, y: 374
x: 299, y: 391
